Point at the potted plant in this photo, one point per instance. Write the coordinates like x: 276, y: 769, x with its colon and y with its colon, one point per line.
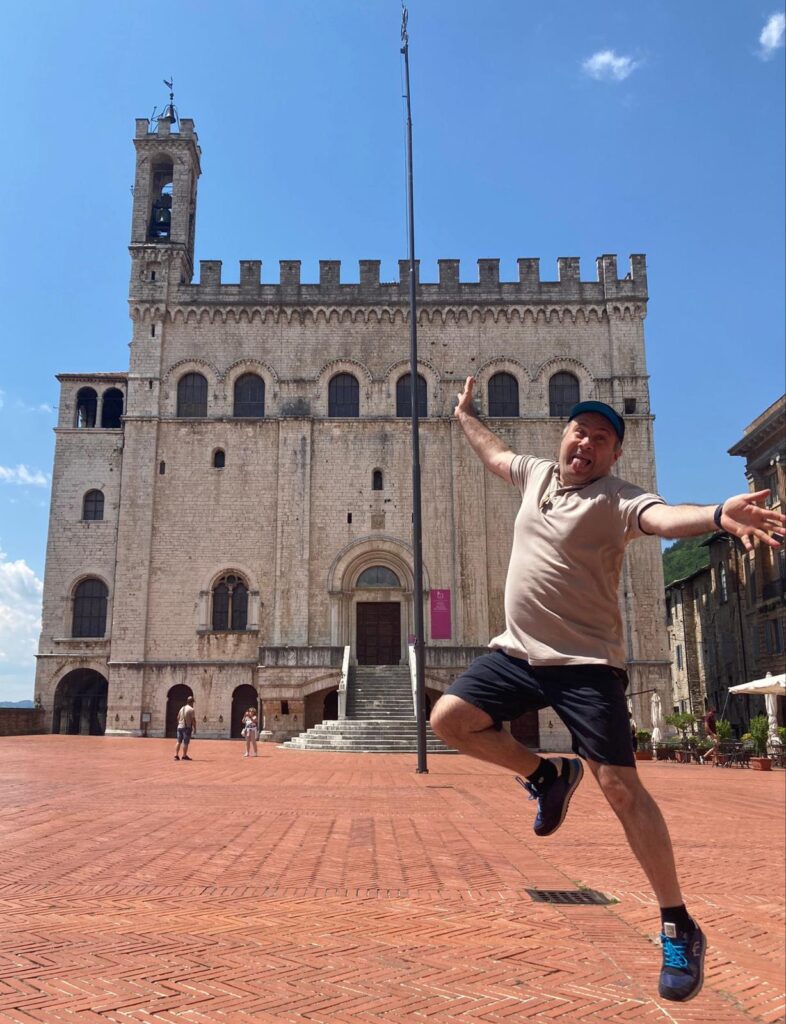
x: 724, y: 732
x: 684, y: 722
x: 760, y: 734
x: 644, y: 748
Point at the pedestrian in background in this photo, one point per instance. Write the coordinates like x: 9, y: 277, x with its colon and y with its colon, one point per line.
x: 250, y: 732
x: 186, y: 728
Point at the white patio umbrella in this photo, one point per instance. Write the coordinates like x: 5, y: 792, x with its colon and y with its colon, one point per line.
x: 770, y: 687
x: 656, y: 715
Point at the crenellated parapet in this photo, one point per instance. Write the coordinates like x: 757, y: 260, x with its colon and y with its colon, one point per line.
x: 568, y: 290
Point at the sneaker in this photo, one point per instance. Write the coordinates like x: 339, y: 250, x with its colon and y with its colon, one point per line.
x: 177, y: 758
x: 186, y: 757
x: 682, y: 973
x: 553, y: 801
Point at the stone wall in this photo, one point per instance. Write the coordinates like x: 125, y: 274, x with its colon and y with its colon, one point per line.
x: 22, y: 721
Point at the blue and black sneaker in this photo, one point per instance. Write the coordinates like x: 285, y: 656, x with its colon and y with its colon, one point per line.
x: 554, y: 798
x: 682, y: 974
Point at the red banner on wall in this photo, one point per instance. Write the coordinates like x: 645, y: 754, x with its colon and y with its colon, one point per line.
x: 441, y: 626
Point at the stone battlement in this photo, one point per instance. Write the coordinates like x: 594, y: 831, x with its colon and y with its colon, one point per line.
x: 568, y: 288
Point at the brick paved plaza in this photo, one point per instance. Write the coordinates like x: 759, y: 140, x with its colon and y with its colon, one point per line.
x: 347, y: 888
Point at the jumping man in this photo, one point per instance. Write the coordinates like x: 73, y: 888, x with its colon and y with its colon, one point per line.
x: 562, y: 645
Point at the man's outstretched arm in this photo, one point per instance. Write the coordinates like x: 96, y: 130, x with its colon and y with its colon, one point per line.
x: 744, y: 516
x: 493, y: 453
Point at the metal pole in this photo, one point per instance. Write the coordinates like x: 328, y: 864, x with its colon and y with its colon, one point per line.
x: 417, y: 531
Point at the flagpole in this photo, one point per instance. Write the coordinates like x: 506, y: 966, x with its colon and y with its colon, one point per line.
x: 417, y: 529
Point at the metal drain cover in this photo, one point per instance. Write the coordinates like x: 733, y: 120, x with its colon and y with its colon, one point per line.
x: 570, y: 897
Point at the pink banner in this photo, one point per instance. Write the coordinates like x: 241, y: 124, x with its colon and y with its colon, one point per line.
x: 441, y: 627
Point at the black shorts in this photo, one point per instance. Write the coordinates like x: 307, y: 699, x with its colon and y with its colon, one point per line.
x: 589, y: 699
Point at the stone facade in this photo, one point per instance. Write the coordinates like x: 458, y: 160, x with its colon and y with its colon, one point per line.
x: 297, y: 504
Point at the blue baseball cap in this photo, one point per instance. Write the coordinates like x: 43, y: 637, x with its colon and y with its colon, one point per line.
x: 601, y: 409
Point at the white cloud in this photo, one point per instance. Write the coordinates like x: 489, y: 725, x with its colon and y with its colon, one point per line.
x: 41, y: 407
x: 20, y: 624
x: 22, y: 475
x: 772, y: 35
x: 607, y: 66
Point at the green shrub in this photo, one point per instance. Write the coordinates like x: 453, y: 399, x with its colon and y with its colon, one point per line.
x: 723, y: 729
x: 760, y: 733
x: 684, y: 722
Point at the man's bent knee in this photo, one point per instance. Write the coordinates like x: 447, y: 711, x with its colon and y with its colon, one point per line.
x: 452, y: 718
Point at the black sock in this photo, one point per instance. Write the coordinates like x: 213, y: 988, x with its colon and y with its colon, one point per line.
x: 544, y: 774
x: 678, y: 916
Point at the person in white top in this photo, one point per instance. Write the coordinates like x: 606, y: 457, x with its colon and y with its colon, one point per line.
x: 186, y: 728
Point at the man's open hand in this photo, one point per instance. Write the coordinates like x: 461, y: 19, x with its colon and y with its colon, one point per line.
x: 745, y: 517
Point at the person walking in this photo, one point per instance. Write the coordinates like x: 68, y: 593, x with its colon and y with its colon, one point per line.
x: 186, y: 728
x: 250, y: 732
x: 562, y: 646
x: 710, y: 727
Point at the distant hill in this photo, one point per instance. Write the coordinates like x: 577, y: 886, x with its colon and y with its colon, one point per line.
x: 684, y: 557
x: 16, y: 704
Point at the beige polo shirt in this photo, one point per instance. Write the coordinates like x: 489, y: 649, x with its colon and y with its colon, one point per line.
x: 561, y: 605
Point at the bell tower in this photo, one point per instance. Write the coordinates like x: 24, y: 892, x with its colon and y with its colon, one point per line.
x: 164, y: 211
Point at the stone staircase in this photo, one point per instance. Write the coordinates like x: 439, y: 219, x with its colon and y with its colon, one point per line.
x: 380, y: 718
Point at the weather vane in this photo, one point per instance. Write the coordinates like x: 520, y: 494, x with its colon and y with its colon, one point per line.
x: 170, y: 112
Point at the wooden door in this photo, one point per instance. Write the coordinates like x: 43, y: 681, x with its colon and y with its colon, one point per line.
x: 379, y: 632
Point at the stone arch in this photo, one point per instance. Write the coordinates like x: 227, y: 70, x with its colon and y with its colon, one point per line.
x: 175, y: 699
x: 244, y: 697
x: 426, y: 369
x: 241, y: 366
x: 330, y: 370
x: 80, y: 703
x: 348, y: 565
x: 178, y: 370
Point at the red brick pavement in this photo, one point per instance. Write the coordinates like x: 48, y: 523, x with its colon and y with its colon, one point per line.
x: 346, y: 888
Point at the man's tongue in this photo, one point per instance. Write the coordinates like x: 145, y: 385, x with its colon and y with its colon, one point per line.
x: 578, y: 463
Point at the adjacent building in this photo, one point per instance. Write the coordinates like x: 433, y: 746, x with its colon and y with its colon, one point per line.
x: 727, y: 621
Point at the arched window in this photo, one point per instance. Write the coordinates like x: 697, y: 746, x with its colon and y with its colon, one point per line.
x: 376, y: 480
x: 90, y: 599
x: 219, y: 458
x: 404, y: 396
x: 563, y: 394
x: 378, y: 576
x: 249, y: 396
x: 93, y: 506
x: 112, y: 409
x: 503, y: 395
x: 230, y: 604
x: 343, y: 395
x: 161, y: 212
x: 86, y: 406
x: 192, y: 395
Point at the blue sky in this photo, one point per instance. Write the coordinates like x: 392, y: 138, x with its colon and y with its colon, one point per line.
x: 559, y: 129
